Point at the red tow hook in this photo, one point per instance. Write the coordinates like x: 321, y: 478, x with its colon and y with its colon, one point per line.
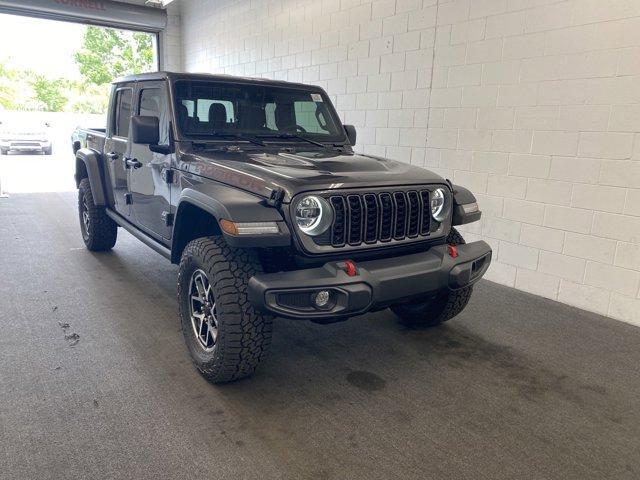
x: 349, y: 267
x: 452, y: 250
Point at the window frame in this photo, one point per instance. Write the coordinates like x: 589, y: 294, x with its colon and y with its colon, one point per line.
x: 341, y: 136
x: 117, y: 94
x: 162, y: 88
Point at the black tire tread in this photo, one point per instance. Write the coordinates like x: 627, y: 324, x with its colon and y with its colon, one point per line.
x: 244, y: 335
x: 103, y: 230
x: 441, y: 309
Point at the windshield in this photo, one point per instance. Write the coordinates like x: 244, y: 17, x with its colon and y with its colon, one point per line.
x: 208, y: 109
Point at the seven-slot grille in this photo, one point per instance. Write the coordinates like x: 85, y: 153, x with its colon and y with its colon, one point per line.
x: 378, y: 217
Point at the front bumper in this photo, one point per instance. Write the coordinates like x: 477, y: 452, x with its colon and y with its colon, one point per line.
x: 25, y: 145
x: 376, y: 284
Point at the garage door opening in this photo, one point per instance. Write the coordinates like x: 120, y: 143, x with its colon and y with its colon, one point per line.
x: 55, y: 76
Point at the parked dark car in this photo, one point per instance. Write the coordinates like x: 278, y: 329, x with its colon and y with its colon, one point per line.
x: 253, y: 188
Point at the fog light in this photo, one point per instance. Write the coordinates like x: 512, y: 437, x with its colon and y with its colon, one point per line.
x: 322, y: 298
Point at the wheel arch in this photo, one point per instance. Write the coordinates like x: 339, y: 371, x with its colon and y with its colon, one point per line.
x: 463, y: 196
x: 88, y: 166
x: 214, y: 202
x: 193, y: 220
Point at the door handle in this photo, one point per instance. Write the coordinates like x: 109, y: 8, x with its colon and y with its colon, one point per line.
x: 131, y: 163
x: 111, y: 155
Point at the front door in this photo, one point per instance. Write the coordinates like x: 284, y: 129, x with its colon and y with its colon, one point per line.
x: 150, y: 192
x: 116, y: 146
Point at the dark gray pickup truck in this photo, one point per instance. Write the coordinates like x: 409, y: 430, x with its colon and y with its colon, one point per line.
x: 253, y: 188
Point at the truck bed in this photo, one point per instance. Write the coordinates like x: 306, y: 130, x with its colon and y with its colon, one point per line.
x: 88, y: 138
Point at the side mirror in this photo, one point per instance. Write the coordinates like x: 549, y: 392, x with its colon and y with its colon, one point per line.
x: 145, y: 130
x: 351, y: 133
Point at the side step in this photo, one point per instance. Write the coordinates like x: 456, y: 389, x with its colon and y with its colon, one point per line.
x: 136, y: 232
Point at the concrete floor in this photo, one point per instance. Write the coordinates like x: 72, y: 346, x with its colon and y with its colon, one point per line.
x: 516, y: 387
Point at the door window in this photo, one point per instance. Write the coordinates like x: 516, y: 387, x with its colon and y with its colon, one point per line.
x: 153, y: 103
x: 122, y: 118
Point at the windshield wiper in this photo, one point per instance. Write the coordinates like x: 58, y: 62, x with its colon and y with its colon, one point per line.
x: 239, y: 136
x: 295, y: 135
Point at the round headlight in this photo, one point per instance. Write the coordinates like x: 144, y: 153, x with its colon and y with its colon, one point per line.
x: 313, y: 215
x: 438, y: 204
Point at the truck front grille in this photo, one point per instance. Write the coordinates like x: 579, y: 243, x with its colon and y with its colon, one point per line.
x: 369, y: 218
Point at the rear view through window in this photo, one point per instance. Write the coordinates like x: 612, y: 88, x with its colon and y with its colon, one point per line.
x: 213, y: 108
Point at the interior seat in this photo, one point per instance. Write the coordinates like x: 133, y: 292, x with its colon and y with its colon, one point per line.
x: 217, y: 117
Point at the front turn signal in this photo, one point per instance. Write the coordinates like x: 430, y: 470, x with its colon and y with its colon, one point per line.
x: 249, y: 228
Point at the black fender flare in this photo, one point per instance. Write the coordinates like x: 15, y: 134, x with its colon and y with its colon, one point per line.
x: 92, y: 165
x: 463, y: 196
x: 227, y: 203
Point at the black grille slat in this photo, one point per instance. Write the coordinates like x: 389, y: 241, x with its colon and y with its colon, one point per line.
x: 413, y: 224
x: 338, y: 230
x: 386, y: 217
x: 400, y: 227
x: 370, y: 217
x: 354, y: 204
x: 425, y: 222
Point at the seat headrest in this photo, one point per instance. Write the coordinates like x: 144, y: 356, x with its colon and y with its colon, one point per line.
x: 217, y: 116
x: 183, y: 116
x: 285, y: 116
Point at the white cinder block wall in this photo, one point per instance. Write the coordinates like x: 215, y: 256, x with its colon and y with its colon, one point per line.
x: 532, y: 104
x: 170, y: 40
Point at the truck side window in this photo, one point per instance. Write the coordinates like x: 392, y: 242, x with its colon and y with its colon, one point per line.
x: 153, y: 103
x: 270, y: 114
x: 190, y: 105
x: 123, y: 113
x: 311, y: 116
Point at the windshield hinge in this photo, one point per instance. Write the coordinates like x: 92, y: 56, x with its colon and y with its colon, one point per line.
x: 167, y: 176
x: 167, y: 217
x: 276, y: 197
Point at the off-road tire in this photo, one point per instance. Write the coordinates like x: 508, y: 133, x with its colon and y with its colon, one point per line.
x: 47, y: 151
x: 102, y: 232
x: 438, y: 310
x: 243, y: 335
x: 4, y: 151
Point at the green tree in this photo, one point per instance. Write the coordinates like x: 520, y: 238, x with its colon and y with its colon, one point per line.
x: 7, y: 87
x: 107, y: 54
x: 89, y: 98
x: 49, y: 92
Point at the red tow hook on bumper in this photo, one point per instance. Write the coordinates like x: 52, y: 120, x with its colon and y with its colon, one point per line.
x: 452, y: 250
x: 349, y: 267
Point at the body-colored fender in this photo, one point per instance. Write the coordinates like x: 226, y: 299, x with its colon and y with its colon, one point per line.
x: 222, y: 202
x: 462, y: 214
x: 89, y: 165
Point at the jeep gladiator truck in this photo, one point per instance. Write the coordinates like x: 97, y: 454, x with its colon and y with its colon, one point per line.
x: 252, y: 187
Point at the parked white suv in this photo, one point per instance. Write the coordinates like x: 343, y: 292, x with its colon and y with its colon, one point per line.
x: 24, y: 137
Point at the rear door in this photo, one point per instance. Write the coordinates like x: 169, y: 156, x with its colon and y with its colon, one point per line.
x: 150, y: 192
x: 116, y: 146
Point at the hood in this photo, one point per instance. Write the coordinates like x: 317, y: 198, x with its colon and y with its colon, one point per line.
x: 19, y: 133
x: 261, y: 172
